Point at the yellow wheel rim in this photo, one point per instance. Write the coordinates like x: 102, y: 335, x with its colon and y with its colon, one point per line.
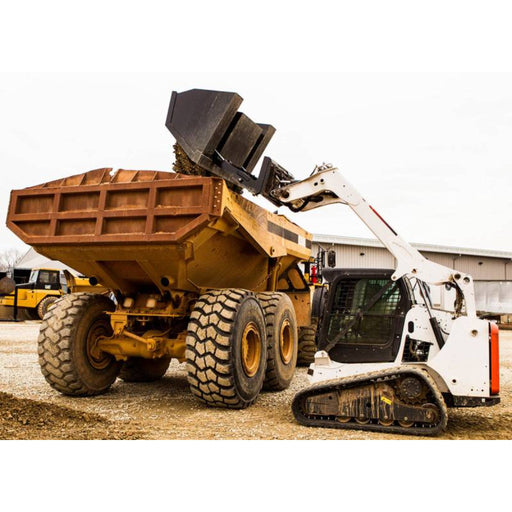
x: 251, y: 349
x: 286, y: 342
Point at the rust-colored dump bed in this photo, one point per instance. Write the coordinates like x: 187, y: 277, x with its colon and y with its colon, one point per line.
x: 135, y: 230
x: 135, y: 206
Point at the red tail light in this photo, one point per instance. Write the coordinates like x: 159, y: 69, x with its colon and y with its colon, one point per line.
x: 314, y: 278
x: 494, y: 341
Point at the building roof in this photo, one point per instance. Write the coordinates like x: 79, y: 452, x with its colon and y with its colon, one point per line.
x: 371, y: 242
x: 32, y: 260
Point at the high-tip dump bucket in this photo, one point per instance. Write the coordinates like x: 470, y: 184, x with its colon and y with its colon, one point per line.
x: 220, y: 139
x: 208, y: 126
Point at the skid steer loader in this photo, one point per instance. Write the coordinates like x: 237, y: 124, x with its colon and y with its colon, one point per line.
x: 388, y: 361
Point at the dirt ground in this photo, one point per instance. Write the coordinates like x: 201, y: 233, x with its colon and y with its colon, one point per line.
x: 30, y: 409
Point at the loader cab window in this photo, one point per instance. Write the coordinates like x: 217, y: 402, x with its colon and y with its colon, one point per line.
x: 45, y: 279
x: 365, y: 319
x: 33, y: 276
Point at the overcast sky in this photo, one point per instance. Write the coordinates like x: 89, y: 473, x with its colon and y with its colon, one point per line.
x: 432, y: 152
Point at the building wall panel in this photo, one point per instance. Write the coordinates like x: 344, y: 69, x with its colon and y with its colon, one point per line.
x: 481, y: 268
x: 352, y: 256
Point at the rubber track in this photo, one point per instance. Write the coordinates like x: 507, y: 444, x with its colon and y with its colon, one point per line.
x: 307, y: 346
x: 54, y: 348
x: 373, y: 427
x: 209, y: 354
x: 269, y: 302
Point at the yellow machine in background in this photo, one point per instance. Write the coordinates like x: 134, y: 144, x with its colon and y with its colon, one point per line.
x: 44, y: 287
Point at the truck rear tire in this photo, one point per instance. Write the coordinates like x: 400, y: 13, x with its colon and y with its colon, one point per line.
x: 307, y: 345
x: 282, y: 344
x: 44, y: 305
x: 226, y: 348
x: 139, y: 369
x: 68, y: 357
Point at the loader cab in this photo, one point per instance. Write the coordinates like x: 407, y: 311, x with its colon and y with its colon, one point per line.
x: 45, y: 279
x: 364, y: 314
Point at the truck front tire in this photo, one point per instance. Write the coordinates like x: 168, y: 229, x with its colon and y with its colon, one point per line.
x: 69, y: 359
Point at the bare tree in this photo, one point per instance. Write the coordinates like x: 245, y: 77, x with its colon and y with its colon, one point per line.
x: 10, y: 258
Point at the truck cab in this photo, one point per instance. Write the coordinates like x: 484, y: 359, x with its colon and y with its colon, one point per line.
x: 46, y: 279
x: 34, y: 292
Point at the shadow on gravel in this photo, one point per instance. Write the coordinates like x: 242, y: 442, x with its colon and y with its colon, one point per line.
x: 168, y: 387
x: 28, y: 419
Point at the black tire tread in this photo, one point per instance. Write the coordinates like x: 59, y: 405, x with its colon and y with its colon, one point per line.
x: 269, y: 302
x: 307, y: 345
x: 54, y: 344
x: 209, y: 353
x: 44, y: 304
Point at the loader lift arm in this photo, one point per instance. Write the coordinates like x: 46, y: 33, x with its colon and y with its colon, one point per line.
x: 328, y: 186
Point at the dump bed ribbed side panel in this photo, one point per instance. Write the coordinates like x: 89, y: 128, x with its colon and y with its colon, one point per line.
x: 121, y: 207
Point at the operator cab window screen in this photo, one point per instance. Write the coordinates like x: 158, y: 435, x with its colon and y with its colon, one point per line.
x: 364, y: 311
x: 48, y: 277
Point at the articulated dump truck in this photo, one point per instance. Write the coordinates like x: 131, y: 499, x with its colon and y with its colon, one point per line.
x: 197, y: 272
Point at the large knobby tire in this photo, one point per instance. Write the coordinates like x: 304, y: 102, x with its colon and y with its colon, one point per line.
x: 68, y: 358
x: 139, y: 369
x: 282, y: 343
x: 44, y: 305
x: 307, y: 345
x: 318, y: 303
x: 226, y: 348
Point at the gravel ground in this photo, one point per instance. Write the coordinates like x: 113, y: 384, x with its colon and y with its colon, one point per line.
x: 30, y: 409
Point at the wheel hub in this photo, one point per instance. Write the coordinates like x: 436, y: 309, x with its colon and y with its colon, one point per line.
x: 97, y: 358
x: 286, y: 342
x: 251, y: 349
